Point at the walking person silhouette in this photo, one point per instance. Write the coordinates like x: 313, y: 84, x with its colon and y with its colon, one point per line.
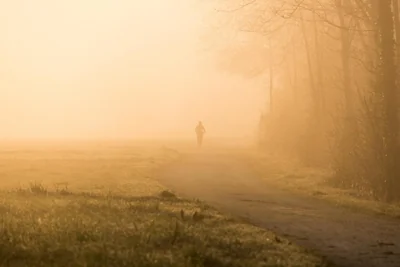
x: 200, y: 131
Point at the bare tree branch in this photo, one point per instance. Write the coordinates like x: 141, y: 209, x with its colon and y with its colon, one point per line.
x: 237, y: 8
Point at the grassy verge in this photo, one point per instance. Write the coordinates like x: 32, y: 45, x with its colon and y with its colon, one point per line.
x: 317, y: 183
x: 86, y: 207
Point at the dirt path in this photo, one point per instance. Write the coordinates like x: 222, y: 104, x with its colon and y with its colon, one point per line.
x: 343, y: 236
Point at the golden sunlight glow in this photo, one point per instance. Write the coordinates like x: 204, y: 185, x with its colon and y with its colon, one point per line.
x: 112, y: 69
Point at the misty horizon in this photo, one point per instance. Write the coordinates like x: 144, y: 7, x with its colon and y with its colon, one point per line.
x: 71, y: 73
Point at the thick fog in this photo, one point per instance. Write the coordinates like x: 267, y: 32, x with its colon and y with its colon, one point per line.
x: 115, y: 69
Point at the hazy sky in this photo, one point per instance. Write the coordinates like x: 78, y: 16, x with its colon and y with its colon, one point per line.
x: 108, y: 68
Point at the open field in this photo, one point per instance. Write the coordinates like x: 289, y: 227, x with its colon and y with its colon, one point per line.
x: 317, y: 183
x: 98, y: 205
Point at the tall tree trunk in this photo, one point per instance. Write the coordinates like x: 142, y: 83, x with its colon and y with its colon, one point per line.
x: 314, y: 92
x: 317, y: 47
x: 271, y: 78
x: 396, y: 12
x: 313, y: 134
x: 375, y: 37
x: 345, y: 41
x: 295, y: 82
x: 387, y: 82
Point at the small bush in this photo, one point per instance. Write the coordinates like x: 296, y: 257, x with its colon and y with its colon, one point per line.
x: 38, y: 188
x: 167, y: 194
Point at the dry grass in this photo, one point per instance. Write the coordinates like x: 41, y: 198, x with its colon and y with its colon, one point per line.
x: 318, y: 183
x: 86, y: 206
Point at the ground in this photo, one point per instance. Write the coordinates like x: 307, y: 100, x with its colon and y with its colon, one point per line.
x: 98, y: 204
x: 320, y: 183
x: 347, y: 237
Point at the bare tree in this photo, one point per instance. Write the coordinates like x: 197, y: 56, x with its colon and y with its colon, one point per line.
x: 339, y: 57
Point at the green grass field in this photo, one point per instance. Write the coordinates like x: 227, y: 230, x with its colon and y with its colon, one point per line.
x: 99, y: 205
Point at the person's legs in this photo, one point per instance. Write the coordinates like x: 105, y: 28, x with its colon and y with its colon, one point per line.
x: 199, y: 140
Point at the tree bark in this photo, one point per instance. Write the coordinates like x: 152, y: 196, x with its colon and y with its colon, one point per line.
x: 320, y: 85
x: 314, y: 93
x: 345, y: 42
x: 387, y: 82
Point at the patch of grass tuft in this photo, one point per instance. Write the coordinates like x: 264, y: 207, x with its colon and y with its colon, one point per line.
x: 167, y: 194
x: 38, y: 188
x: 62, y: 188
